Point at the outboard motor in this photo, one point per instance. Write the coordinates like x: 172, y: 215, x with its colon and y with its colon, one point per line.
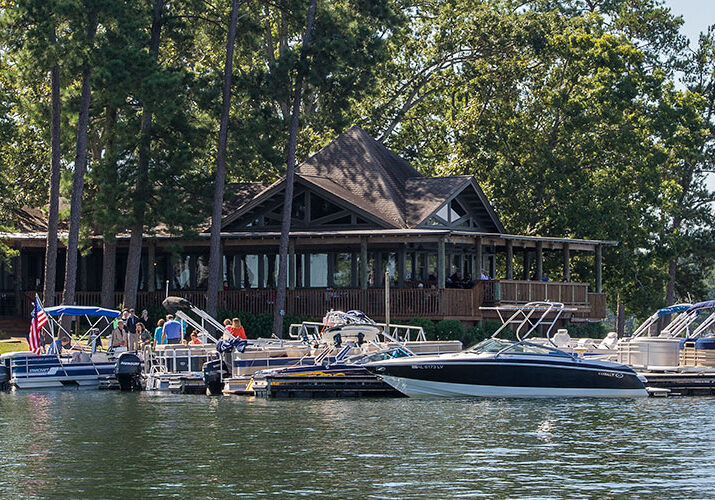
x: 214, y: 372
x: 128, y: 371
x: 4, y: 377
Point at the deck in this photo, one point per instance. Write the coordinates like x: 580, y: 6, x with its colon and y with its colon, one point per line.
x: 407, y: 303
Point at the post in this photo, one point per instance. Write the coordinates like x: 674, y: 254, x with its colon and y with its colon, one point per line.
x: 237, y: 268
x: 378, y: 269
x: 401, y: 266
x: 291, y: 264
x: 509, y: 259
x: 527, y: 265
x: 363, y: 263
x: 261, y: 271
x: 441, y: 278
x: 539, y: 260
x: 83, y: 274
x: 331, y: 269
x: 387, y: 302
x: 151, y: 270
x: 598, y: 263
x: 567, y: 262
x: 479, y: 255
x: 17, y: 281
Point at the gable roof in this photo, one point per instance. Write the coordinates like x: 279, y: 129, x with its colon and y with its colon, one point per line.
x: 361, y: 171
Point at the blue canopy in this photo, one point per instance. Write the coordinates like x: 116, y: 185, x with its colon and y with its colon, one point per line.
x: 81, y: 311
x: 710, y: 304
x: 666, y: 311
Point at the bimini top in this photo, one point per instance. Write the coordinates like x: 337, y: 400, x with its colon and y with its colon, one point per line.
x: 678, y: 308
x: 81, y: 311
x: 710, y: 304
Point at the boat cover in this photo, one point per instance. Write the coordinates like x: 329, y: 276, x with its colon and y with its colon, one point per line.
x: 706, y: 343
x: 702, y: 305
x: 666, y: 311
x: 81, y: 311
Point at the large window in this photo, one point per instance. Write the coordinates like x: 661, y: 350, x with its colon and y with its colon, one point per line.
x: 319, y: 270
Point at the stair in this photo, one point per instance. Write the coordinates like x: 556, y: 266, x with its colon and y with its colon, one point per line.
x: 11, y: 326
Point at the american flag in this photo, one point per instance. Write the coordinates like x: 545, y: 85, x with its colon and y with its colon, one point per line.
x: 38, y: 320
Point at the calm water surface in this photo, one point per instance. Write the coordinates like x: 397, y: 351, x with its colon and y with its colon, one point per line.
x: 113, y: 445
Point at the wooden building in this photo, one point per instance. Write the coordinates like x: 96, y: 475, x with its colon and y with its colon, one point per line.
x: 358, y: 210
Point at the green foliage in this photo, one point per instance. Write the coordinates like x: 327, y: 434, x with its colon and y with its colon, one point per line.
x: 427, y: 325
x: 449, y: 329
x: 589, y: 330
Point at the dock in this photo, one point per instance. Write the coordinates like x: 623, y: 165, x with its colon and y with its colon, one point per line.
x: 347, y: 386
x: 680, y: 384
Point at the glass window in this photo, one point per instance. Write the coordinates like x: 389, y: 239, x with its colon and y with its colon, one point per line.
x: 390, y: 260
x: 456, y: 211
x: 443, y: 213
x: 202, y: 271
x: 319, y: 270
x: 343, y: 270
x: 298, y: 208
x: 181, y: 272
x: 250, y: 271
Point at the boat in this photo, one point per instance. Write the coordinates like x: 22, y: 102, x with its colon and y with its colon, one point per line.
x: 310, y: 344
x: 500, y: 367
x: 81, y: 365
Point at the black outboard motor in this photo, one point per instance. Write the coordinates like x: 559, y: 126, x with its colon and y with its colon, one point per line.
x: 4, y: 377
x: 128, y: 371
x: 214, y: 372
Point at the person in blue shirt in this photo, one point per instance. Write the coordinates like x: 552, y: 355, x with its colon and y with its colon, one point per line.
x: 159, y: 333
x: 172, y: 331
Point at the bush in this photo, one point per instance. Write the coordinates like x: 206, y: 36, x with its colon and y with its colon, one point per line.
x: 450, y: 329
x: 589, y: 330
x: 473, y: 336
x: 427, y: 325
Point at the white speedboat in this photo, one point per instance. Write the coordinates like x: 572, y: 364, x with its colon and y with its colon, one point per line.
x: 498, y: 367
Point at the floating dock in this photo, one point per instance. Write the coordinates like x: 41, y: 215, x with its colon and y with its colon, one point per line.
x: 346, y: 386
x: 680, y: 384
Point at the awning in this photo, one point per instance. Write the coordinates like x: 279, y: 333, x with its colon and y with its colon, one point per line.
x: 81, y: 311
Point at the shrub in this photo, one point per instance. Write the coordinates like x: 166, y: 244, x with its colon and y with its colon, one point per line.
x: 590, y: 330
x: 450, y: 329
x: 427, y: 325
x: 473, y: 336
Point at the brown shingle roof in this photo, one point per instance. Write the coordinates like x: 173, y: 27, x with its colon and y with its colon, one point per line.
x: 424, y: 195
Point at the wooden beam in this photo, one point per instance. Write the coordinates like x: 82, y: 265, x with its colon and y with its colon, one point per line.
x: 479, y: 255
x: 509, y: 259
x: 598, y: 268
x: 401, y: 266
x: 441, y: 278
x: 363, y: 263
x: 527, y: 265
x: 539, y: 260
x: 567, y: 262
x: 291, y: 264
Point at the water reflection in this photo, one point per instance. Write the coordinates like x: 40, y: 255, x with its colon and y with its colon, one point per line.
x: 109, y: 445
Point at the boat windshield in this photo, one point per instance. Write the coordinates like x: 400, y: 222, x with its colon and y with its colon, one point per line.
x: 512, y: 347
x: 378, y: 356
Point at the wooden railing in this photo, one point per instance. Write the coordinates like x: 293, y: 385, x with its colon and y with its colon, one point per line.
x: 404, y: 303
x: 521, y: 292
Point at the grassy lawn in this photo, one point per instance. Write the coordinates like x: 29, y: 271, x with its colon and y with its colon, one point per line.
x: 13, y: 346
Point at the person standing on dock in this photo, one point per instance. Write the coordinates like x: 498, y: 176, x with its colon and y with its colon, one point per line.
x: 119, y: 335
x: 159, y: 333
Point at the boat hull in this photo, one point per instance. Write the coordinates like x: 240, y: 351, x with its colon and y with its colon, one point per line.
x: 504, y: 378
x: 48, y: 372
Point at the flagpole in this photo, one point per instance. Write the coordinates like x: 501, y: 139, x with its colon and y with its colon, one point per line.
x: 52, y: 330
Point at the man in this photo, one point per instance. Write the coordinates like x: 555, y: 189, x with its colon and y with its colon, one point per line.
x: 131, y: 322
x: 172, y: 332
x: 119, y: 335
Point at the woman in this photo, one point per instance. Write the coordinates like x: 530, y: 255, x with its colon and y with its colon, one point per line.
x: 195, y: 338
x: 142, y: 336
x: 236, y: 329
x: 158, y: 333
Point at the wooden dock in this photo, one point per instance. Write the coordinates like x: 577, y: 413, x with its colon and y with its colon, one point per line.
x: 680, y: 384
x: 345, y: 386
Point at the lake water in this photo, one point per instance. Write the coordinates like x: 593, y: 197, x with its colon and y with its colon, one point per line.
x: 115, y: 445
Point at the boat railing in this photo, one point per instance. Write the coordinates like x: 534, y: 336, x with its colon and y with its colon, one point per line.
x: 703, y: 327
x: 163, y: 361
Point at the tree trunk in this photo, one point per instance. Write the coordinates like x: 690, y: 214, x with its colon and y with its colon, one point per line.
x: 215, y: 252
x: 109, y: 265
x: 131, y: 277
x: 620, y: 318
x: 80, y: 164
x: 279, y: 310
x: 670, y: 286
x: 52, y: 219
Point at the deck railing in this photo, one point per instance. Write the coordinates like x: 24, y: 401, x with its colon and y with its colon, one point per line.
x: 404, y: 303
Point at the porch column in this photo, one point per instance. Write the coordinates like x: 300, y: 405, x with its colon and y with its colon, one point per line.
x: 237, y: 266
x: 509, y: 259
x: 151, y: 270
x: 567, y: 262
x: 192, y: 271
x: 353, y: 270
x: 598, y: 263
x: 307, y: 270
x: 331, y: 269
x: 401, y: 266
x: 291, y: 265
x: 261, y: 271
x: 527, y: 265
x: 363, y: 263
x: 479, y: 256
x: 379, y: 270
x: 441, y: 278
x: 17, y: 278
x: 539, y: 260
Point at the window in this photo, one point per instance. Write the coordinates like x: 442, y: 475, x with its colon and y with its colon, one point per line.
x: 319, y: 270
x: 298, y: 208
